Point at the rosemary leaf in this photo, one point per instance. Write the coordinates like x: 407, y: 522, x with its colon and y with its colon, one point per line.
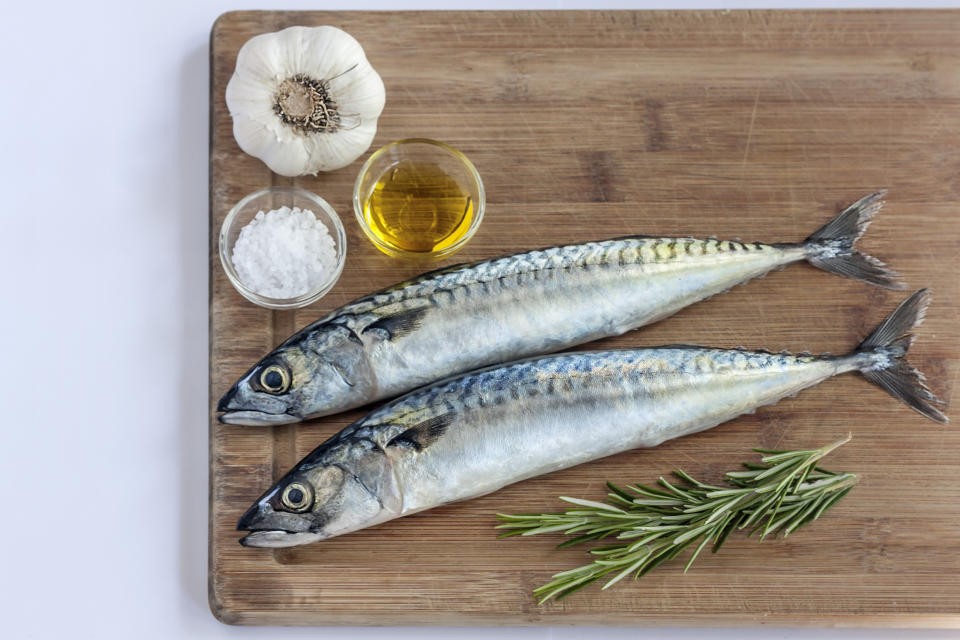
x: 599, y: 506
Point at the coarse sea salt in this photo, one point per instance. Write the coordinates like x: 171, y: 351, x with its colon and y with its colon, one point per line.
x: 284, y: 253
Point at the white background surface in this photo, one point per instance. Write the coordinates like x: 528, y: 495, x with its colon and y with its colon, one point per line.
x: 104, y: 326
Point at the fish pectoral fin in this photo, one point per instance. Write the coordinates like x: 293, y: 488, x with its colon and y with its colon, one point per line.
x: 422, y: 435
x: 398, y: 324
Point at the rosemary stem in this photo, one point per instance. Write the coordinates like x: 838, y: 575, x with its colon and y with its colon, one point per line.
x: 782, y: 493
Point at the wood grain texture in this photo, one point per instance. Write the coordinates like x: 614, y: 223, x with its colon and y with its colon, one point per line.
x: 588, y: 125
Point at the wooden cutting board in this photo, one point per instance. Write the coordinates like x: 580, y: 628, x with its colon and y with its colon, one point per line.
x: 588, y: 125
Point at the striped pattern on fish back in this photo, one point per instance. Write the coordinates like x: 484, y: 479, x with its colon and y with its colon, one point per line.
x: 613, y: 253
x: 566, y: 375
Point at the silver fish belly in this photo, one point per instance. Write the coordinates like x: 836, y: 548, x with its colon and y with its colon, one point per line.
x: 470, y: 316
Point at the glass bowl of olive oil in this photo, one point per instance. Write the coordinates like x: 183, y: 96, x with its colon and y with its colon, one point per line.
x: 418, y: 198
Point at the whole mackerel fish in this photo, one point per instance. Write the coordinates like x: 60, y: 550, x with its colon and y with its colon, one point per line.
x: 469, y: 316
x: 474, y: 434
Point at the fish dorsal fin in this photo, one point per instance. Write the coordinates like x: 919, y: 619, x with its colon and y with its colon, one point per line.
x: 635, y: 236
x: 424, y: 434
x: 423, y: 277
x: 681, y: 346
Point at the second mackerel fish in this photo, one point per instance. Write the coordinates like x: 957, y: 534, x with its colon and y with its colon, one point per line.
x: 468, y: 316
x: 473, y: 434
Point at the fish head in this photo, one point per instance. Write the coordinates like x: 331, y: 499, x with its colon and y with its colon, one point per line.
x: 319, y: 371
x: 348, y: 486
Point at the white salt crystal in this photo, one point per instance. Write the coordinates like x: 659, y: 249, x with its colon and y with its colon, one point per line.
x: 284, y: 253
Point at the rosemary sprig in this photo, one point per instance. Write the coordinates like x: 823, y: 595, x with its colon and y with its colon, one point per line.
x: 654, y: 524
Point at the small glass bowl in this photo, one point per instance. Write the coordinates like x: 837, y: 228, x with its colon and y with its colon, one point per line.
x: 274, y: 198
x: 450, y: 160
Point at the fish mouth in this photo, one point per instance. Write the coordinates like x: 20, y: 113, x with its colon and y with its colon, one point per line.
x: 254, y: 418
x: 235, y: 409
x: 261, y: 534
x: 276, y: 539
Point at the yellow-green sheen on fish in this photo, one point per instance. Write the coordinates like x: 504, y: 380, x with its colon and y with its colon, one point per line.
x: 469, y: 316
x: 476, y: 433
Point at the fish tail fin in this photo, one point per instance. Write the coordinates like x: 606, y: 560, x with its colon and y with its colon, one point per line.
x: 888, y: 367
x: 831, y: 246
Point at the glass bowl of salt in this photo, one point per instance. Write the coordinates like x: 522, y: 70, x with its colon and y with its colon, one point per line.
x: 282, y: 247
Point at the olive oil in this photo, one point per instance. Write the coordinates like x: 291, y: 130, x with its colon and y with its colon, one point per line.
x: 418, y: 207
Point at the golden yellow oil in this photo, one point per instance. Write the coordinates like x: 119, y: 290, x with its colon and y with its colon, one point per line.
x: 418, y: 207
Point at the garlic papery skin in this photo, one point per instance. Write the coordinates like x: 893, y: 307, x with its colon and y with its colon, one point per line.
x: 304, y: 99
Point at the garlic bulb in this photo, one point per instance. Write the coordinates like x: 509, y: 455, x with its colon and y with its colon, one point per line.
x: 304, y: 99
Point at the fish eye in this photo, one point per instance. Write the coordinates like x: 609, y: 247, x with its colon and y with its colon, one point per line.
x: 296, y: 496
x: 274, y: 379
